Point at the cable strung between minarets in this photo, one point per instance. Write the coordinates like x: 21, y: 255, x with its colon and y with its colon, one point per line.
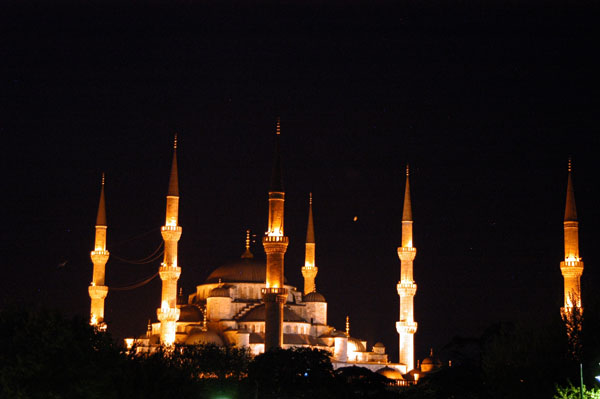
x: 275, y: 244
x: 407, y: 288
x: 97, y: 290
x: 169, y: 270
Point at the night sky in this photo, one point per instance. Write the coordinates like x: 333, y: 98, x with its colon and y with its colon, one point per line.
x: 485, y: 101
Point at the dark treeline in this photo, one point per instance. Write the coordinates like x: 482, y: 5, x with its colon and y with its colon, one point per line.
x: 44, y: 355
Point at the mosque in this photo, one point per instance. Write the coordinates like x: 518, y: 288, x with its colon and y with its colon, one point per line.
x: 248, y: 303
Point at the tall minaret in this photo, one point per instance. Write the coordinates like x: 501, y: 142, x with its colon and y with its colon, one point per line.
x: 168, y: 313
x: 407, y: 288
x: 99, y: 255
x: 275, y: 243
x: 309, y: 270
x: 572, y: 266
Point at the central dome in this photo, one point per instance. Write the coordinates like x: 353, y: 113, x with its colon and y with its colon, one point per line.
x: 240, y: 271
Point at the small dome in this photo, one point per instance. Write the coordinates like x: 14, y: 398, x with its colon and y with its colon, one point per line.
x: 390, y: 373
x: 314, y: 297
x: 190, y: 313
x: 379, y: 345
x: 358, y: 345
x: 222, y: 292
x: 204, y: 337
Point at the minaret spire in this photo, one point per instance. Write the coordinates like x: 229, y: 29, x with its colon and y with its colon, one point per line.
x: 309, y: 270
x: 97, y: 290
x: 406, y: 287
x: 275, y: 243
x: 572, y: 266
x: 169, y: 270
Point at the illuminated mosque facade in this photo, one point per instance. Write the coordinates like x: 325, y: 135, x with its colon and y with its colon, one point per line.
x: 248, y: 303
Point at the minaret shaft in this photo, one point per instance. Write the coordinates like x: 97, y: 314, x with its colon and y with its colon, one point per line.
x: 572, y: 267
x: 406, y: 287
x: 97, y: 290
x: 275, y: 244
x: 169, y: 270
x: 309, y: 270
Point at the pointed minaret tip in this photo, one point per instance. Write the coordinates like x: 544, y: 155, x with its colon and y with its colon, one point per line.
x: 310, y: 230
x: 570, y: 208
x: 407, y: 211
x: 174, y: 178
x: 407, y: 170
x: 101, y: 216
x: 276, y: 175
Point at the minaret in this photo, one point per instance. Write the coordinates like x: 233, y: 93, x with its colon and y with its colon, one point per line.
x: 168, y: 313
x: 309, y: 270
x: 572, y: 266
x: 275, y: 244
x: 407, y: 288
x: 99, y: 255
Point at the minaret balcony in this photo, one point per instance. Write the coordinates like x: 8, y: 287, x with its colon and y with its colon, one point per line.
x: 407, y: 289
x: 99, y: 256
x: 98, y: 291
x: 166, y: 314
x: 169, y: 272
x: 170, y: 233
x: 275, y: 239
x: 571, y: 268
x: 406, y: 327
x: 407, y: 253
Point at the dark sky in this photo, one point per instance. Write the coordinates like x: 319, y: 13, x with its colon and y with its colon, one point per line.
x: 485, y: 101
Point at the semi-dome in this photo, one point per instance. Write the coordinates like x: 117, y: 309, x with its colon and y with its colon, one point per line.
x: 190, y: 313
x: 258, y: 314
x: 245, y: 270
x: 357, y: 344
x: 391, y: 373
x: 314, y: 297
x: 222, y: 292
x: 204, y: 337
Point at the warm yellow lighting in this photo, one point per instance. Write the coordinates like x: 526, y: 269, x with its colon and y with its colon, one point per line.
x: 416, y: 377
x: 164, y: 306
x: 129, y: 343
x: 93, y: 320
x: 275, y: 233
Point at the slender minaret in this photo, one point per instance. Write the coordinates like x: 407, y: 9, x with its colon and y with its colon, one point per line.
x: 99, y: 255
x: 168, y: 313
x: 247, y: 253
x: 309, y: 270
x: 275, y: 244
x: 407, y: 288
x: 572, y: 266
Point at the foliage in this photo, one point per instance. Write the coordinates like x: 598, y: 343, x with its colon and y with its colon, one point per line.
x: 291, y: 373
x: 44, y: 355
x: 572, y: 392
x: 359, y: 382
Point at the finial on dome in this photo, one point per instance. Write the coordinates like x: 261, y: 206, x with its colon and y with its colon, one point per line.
x: 407, y: 170
x: 309, y: 198
x: 347, y: 325
x: 570, y: 165
x: 103, y: 179
x: 247, y: 253
x: 278, y: 129
x: 175, y: 142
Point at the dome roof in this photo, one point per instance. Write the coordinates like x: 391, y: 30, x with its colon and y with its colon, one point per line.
x: 203, y: 337
x: 190, y: 313
x: 358, y: 345
x: 222, y: 292
x: 390, y: 373
x: 241, y: 271
x: 258, y: 314
x: 314, y: 297
x: 379, y: 345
